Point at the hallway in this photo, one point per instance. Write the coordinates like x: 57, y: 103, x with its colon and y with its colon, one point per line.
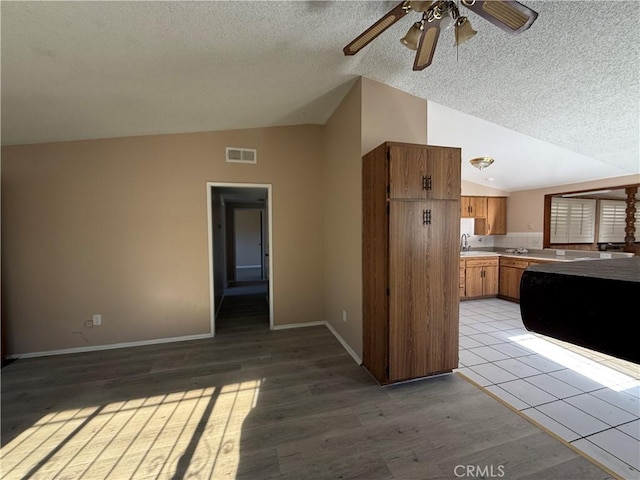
x: 244, y: 308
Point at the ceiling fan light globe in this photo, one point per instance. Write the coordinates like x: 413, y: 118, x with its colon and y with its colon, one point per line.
x: 446, y: 23
x: 412, y: 38
x: 464, y: 30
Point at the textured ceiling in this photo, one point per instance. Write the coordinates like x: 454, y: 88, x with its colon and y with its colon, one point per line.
x: 77, y: 70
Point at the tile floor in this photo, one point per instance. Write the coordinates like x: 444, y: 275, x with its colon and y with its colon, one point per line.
x: 588, y: 399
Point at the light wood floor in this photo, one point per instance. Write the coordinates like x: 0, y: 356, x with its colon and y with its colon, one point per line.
x: 259, y: 404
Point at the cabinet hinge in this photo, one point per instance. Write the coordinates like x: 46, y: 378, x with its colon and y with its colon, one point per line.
x: 388, y: 291
x: 388, y: 154
x: 386, y: 370
x: 388, y: 189
x: 388, y: 209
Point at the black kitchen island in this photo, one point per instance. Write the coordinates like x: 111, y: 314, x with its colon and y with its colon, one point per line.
x: 591, y: 303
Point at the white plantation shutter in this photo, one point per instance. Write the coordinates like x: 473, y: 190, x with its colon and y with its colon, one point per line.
x: 572, y: 220
x: 559, y: 220
x: 612, y: 221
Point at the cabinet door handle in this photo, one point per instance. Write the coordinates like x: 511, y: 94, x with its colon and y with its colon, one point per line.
x: 426, y: 182
x: 426, y: 217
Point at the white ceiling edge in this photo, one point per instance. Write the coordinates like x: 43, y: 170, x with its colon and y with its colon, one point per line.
x: 521, y: 162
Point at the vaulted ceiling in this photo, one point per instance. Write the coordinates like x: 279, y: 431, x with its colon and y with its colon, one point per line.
x: 570, y: 84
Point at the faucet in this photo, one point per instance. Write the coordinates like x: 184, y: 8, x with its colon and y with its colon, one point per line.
x: 464, y: 246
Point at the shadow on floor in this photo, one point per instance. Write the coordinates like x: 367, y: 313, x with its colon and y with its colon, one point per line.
x: 242, y: 313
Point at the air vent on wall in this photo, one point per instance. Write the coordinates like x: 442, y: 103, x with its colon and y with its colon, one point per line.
x: 242, y: 155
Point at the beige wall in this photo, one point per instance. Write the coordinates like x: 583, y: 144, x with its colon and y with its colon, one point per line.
x: 371, y: 114
x: 389, y: 114
x: 342, y: 219
x: 525, y: 211
x: 119, y: 227
x: 472, y: 189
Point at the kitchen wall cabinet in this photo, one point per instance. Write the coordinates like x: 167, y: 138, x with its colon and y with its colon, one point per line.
x: 411, y: 230
x: 480, y: 277
x: 495, y: 220
x: 490, y: 214
x: 473, y: 207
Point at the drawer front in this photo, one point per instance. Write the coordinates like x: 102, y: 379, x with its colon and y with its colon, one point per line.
x: 482, y: 262
x: 513, y: 262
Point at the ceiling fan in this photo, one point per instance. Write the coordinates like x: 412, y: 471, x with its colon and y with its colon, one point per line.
x: 509, y: 15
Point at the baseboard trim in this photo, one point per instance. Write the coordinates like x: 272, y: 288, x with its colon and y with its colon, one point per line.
x: 296, y: 325
x: 344, y: 344
x: 111, y: 346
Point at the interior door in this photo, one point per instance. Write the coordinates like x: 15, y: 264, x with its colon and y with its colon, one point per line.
x: 424, y: 289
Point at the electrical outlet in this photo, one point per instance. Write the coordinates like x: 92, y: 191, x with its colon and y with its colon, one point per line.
x: 97, y: 319
x: 344, y: 315
x: 88, y: 324
x: 605, y: 255
x: 559, y: 252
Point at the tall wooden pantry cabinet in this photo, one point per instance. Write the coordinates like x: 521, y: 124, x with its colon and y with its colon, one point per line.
x: 410, y: 264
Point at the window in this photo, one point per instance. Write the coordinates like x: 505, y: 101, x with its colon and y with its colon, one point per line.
x: 572, y: 220
x: 612, y: 221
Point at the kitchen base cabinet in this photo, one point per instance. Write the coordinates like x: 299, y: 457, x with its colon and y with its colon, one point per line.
x: 510, y: 282
x: 480, y: 277
x: 411, y: 231
x: 511, y: 270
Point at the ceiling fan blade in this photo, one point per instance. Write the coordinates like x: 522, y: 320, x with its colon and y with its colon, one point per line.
x: 508, y: 15
x: 427, y: 45
x: 376, y: 29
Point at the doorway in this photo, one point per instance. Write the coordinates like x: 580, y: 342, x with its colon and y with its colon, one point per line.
x: 240, y: 268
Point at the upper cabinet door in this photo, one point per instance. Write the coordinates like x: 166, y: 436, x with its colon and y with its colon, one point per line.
x: 497, y: 215
x: 423, y: 172
x: 408, y: 172
x: 443, y: 172
x: 478, y: 206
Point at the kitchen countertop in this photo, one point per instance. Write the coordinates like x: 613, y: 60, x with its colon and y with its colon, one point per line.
x: 548, y: 255
x: 618, y: 269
